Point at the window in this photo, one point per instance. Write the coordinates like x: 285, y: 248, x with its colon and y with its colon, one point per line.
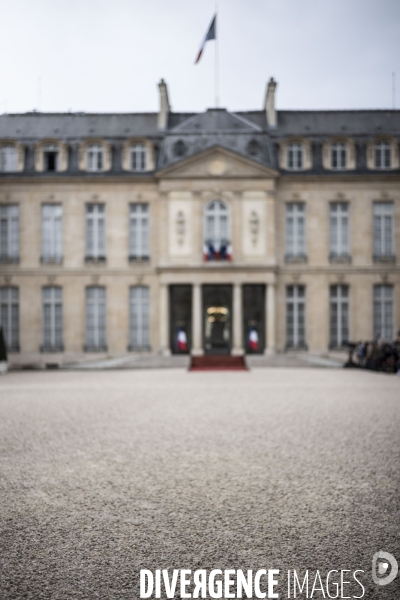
x: 52, y: 319
x: 138, y: 157
x: 95, y: 232
x: 295, y: 156
x: 139, y: 232
x: 50, y: 158
x: 9, y: 233
x: 179, y: 148
x: 94, y: 154
x: 383, y: 312
x: 295, y: 232
x: 96, y: 319
x: 52, y: 233
x: 383, y: 155
x: 383, y: 231
x: 139, y: 324
x: 8, y: 158
x: 338, y: 156
x: 9, y: 316
x: 339, y: 231
x: 295, y: 317
x: 217, y: 244
x: 339, y: 315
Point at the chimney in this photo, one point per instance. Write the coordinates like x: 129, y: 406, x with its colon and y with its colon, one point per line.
x: 163, y: 113
x: 270, y: 111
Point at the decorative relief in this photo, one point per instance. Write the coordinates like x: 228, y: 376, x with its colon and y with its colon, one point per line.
x: 95, y: 278
x: 217, y: 167
x: 254, y: 227
x: 51, y: 279
x: 139, y: 279
x: 340, y: 277
x: 180, y: 227
x: 385, y: 277
x: 7, y: 279
x: 296, y: 277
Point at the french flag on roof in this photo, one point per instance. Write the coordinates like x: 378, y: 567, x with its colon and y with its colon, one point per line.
x: 210, y: 35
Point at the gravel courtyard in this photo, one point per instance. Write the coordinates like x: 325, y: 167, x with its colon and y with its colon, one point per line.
x: 105, y: 473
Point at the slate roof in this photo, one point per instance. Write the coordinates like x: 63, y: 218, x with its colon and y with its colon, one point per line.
x: 37, y: 125
x: 244, y: 132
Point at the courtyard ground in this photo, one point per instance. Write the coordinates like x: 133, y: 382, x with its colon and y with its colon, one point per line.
x: 107, y: 472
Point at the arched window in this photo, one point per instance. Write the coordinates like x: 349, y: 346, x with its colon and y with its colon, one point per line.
x: 295, y: 160
x: 138, y: 157
x: 8, y: 158
x: 94, y: 157
x: 217, y: 245
x: 383, y: 155
x: 338, y: 156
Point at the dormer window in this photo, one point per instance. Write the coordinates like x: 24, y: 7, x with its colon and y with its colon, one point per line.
x: 51, y: 158
x: 138, y: 157
x: 95, y: 157
x: 339, y: 156
x: 295, y: 156
x: 8, y: 159
x: 383, y: 155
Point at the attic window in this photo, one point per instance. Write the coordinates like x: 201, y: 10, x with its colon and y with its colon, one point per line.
x: 50, y: 158
x: 179, y: 148
x: 253, y: 148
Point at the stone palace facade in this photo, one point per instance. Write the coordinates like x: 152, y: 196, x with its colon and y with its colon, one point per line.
x: 215, y: 232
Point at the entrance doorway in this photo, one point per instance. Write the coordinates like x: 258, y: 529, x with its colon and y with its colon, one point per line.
x: 254, y: 318
x: 180, y: 302
x: 217, y: 319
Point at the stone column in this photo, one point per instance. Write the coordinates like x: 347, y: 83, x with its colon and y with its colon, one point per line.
x: 271, y: 319
x: 197, y: 348
x: 237, y: 320
x: 164, y: 320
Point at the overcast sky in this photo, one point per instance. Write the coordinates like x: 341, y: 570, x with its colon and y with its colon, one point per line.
x: 107, y: 56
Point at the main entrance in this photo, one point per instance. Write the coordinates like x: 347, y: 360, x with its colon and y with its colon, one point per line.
x: 217, y: 319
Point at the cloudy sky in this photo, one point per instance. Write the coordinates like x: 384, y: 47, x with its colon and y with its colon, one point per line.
x: 102, y: 55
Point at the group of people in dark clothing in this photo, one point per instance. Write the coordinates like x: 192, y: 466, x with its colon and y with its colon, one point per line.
x: 377, y: 355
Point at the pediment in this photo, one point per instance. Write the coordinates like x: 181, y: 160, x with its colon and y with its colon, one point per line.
x: 217, y: 163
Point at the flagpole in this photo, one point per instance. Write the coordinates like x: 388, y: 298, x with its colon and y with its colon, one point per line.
x: 216, y: 60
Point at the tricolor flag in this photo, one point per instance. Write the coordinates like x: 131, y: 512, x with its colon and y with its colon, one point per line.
x: 181, y: 341
x: 252, y: 342
x: 210, y: 35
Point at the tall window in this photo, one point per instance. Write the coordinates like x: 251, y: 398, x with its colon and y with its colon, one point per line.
x: 52, y: 232
x: 383, y: 230
x: 52, y: 319
x: 295, y: 316
x: 51, y: 157
x: 94, y: 155
x: 383, y: 312
x: 139, y: 232
x: 339, y: 230
x: 95, y: 232
x: 383, y: 155
x: 339, y: 315
x: 217, y: 244
x: 8, y: 158
x: 295, y: 231
x: 139, y: 323
x: 9, y: 316
x: 295, y: 158
x: 138, y: 157
x: 338, y: 155
x: 9, y: 233
x: 96, y: 319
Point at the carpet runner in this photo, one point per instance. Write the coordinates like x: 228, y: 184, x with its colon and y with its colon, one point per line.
x: 218, y: 363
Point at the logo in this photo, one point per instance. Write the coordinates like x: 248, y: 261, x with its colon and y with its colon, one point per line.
x: 381, y: 562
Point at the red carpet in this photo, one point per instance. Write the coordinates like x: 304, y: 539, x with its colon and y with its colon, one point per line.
x: 218, y: 363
